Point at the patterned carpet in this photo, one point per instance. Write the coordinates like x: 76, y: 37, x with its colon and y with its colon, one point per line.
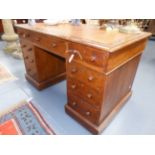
x: 5, y: 74
x: 24, y: 119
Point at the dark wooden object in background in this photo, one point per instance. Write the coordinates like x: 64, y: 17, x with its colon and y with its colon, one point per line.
x: 19, y: 21
x: 151, y: 28
x: 100, y: 75
x: 1, y: 26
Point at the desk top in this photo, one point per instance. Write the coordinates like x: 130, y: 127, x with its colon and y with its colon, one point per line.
x: 89, y: 35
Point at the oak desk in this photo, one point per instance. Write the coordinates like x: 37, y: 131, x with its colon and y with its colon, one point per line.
x: 99, y: 66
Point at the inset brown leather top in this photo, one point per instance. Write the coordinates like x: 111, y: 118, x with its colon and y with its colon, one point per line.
x: 89, y: 35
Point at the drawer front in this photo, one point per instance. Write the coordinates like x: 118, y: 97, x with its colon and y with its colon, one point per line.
x: 51, y: 43
x: 85, y: 92
x: 24, y: 34
x: 27, y: 49
x: 29, y: 58
x: 31, y: 67
x: 83, y: 109
x: 31, y: 70
x: 86, y: 75
x: 88, y: 54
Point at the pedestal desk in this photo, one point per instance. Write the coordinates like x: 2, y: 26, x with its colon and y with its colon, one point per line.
x: 99, y: 67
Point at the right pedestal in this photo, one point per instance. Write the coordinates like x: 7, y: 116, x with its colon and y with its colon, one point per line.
x: 96, y: 95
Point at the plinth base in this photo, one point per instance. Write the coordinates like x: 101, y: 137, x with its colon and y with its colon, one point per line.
x: 92, y: 127
x: 44, y: 84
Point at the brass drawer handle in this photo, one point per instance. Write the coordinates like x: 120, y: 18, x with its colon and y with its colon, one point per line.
x: 21, y: 33
x: 30, y: 49
x: 88, y: 113
x: 38, y: 39
x: 23, y: 46
x: 54, y: 44
x: 73, y: 86
x: 29, y: 70
x: 74, y: 70
x: 90, y: 78
x: 89, y: 95
x: 93, y: 58
x: 74, y: 103
x: 26, y: 57
x: 26, y: 35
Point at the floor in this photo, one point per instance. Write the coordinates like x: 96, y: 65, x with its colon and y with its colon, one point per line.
x: 136, y: 117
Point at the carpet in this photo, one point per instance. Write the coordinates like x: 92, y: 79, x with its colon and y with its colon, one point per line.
x: 10, y: 127
x: 5, y: 74
x: 23, y: 119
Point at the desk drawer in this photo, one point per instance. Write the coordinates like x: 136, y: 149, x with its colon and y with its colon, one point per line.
x: 31, y: 70
x: 86, y: 75
x: 85, y: 92
x: 29, y: 58
x: 24, y: 34
x: 88, y: 54
x: 27, y: 49
x: 50, y: 43
x: 83, y: 108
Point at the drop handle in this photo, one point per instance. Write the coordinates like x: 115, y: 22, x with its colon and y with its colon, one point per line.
x: 30, y: 49
x: 74, y: 103
x: 54, y: 44
x: 73, y: 86
x: 37, y: 39
x: 90, y: 78
x: 29, y: 70
x: 23, y: 46
x: 71, y: 58
x: 93, y: 58
x: 78, y: 53
x: 26, y: 57
x: 25, y: 35
x: 20, y: 33
x: 88, y: 113
x: 89, y: 95
x: 74, y: 70
x: 73, y: 52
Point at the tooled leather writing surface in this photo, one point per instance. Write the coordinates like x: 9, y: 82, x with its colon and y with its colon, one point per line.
x: 87, y: 34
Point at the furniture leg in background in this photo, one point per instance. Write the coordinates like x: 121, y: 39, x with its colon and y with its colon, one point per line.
x: 11, y: 39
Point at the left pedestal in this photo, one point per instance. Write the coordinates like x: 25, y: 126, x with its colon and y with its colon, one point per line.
x: 42, y: 68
